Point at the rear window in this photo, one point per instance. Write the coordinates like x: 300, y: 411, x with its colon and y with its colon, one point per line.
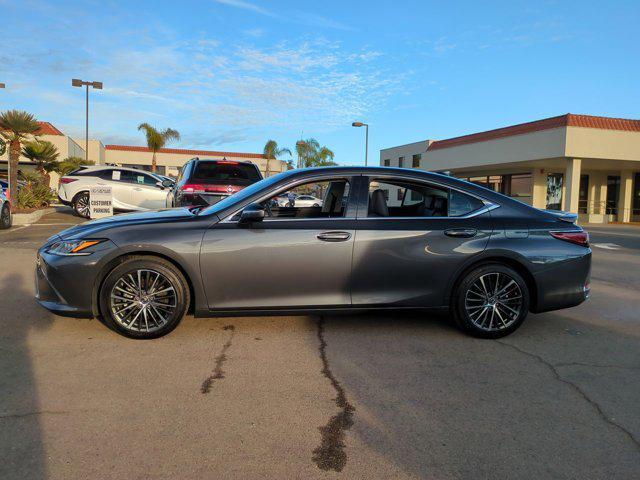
x: 232, y: 173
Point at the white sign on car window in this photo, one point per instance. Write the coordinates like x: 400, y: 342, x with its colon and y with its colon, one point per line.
x: 115, y: 175
x: 100, y: 201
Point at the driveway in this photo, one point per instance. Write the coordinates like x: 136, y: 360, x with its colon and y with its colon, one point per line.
x: 354, y: 396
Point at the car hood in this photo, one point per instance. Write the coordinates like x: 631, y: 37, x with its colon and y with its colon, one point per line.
x: 94, y: 227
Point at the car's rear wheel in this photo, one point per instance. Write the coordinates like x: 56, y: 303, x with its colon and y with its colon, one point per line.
x: 5, y: 216
x: 80, y: 204
x: 144, y: 297
x: 491, y: 301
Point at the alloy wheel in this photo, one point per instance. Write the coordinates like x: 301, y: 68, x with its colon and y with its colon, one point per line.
x: 143, y: 300
x: 493, y: 301
x: 82, y: 205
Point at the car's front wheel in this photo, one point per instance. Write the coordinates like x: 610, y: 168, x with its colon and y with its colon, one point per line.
x: 491, y: 301
x: 144, y: 297
x: 5, y: 216
x: 80, y: 204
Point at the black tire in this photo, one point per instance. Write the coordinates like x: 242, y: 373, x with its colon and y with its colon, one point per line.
x: 80, y: 204
x: 475, y: 312
x: 131, y: 266
x: 6, y: 220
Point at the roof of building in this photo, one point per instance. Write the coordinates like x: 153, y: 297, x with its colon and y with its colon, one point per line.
x: 184, y: 151
x: 47, y: 128
x: 567, y: 120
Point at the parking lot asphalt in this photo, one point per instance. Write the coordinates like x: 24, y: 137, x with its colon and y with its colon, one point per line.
x: 352, y: 396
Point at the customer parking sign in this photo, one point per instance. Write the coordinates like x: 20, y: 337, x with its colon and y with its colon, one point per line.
x: 101, y: 202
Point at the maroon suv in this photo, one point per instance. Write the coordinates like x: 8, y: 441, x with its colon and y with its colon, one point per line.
x: 205, y: 182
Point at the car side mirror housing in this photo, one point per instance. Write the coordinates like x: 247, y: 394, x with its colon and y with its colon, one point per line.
x: 165, y: 184
x: 254, y: 212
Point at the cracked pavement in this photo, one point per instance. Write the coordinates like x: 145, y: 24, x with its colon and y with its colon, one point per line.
x: 558, y: 399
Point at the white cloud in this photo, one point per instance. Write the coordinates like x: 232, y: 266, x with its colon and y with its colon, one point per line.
x: 252, y: 7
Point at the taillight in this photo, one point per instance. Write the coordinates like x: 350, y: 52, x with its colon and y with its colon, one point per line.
x: 67, y: 180
x: 579, y: 238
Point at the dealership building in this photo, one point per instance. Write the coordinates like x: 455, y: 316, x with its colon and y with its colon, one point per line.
x: 579, y: 163
x: 169, y: 160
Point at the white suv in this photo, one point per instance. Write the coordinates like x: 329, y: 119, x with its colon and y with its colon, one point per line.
x: 133, y: 190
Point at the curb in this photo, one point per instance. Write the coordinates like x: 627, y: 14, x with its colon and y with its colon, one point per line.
x: 29, y: 218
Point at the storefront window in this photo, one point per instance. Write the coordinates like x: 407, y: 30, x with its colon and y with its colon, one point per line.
x: 554, y: 191
x: 521, y: 187
x: 583, y: 198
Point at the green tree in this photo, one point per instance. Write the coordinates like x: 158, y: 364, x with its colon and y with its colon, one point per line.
x: 157, y: 139
x: 272, y: 152
x: 70, y: 164
x: 15, y: 126
x: 44, y: 154
x: 311, y: 154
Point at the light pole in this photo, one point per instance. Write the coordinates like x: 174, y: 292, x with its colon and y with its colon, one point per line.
x: 75, y: 82
x: 366, y: 141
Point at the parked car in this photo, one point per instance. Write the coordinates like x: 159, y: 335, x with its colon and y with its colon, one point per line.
x: 5, y: 212
x: 206, y: 182
x: 446, y: 245
x: 4, y: 185
x: 308, y: 201
x: 133, y: 190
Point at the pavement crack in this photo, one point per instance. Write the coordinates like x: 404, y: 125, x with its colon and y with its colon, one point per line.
x: 594, y: 365
x: 218, y: 372
x: 331, y: 455
x: 553, y: 369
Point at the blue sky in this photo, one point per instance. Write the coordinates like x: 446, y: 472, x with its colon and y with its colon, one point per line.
x: 230, y: 74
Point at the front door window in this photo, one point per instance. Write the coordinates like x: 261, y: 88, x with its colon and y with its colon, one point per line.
x: 554, y: 191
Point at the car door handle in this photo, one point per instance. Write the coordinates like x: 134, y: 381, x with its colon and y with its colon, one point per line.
x: 334, y: 236
x: 461, y: 232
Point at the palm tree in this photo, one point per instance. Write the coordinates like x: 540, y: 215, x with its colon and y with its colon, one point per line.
x: 311, y: 154
x: 70, y: 164
x: 15, y: 125
x: 44, y: 154
x: 272, y: 151
x: 157, y: 140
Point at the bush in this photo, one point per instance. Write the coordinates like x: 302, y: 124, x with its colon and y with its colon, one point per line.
x: 35, y: 193
x: 70, y: 164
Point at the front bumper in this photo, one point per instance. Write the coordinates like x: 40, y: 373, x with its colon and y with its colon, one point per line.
x: 66, y: 286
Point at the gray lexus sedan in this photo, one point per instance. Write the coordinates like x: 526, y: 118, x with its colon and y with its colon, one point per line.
x: 383, y: 238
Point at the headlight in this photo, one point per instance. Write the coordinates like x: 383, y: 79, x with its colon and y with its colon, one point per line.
x: 73, y: 247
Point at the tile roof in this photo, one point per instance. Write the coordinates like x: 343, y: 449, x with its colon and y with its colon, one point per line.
x: 183, y: 151
x: 47, y: 128
x: 568, y: 120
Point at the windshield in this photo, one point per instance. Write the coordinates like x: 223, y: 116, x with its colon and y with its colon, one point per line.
x: 243, y: 194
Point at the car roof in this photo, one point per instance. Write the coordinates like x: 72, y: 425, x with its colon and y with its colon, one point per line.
x: 98, y: 168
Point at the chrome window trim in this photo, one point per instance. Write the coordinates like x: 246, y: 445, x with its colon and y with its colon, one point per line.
x: 284, y: 188
x: 488, y: 206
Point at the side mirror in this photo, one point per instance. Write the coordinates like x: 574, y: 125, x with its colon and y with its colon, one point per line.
x: 253, y: 212
x: 165, y: 184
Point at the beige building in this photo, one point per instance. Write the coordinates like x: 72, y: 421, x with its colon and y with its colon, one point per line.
x: 169, y: 160
x: 580, y: 163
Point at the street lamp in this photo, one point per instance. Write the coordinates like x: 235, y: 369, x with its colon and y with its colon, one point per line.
x: 366, y: 142
x: 98, y: 86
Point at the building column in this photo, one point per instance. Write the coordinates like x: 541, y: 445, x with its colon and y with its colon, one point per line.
x: 539, y: 179
x: 626, y: 196
x: 572, y: 182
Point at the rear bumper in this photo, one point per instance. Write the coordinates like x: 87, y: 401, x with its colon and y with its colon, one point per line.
x: 564, y: 285
x: 199, y: 199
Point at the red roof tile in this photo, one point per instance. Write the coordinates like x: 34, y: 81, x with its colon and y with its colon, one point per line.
x: 568, y: 120
x: 47, y: 128
x: 183, y: 151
